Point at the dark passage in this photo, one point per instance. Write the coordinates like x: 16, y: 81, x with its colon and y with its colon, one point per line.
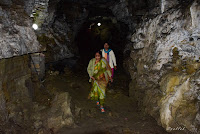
x: 91, y: 40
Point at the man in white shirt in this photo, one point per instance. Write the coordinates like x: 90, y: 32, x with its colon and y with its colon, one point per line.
x: 109, y: 55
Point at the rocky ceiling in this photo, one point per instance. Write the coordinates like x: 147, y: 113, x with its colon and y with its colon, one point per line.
x: 91, y: 2
x: 60, y: 20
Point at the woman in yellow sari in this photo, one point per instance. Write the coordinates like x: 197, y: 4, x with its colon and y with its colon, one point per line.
x: 100, y: 73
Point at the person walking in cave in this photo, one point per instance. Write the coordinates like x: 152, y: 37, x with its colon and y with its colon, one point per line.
x: 109, y: 55
x: 100, y: 73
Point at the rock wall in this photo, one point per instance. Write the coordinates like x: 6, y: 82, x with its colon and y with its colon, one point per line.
x: 24, y: 101
x: 16, y: 34
x: 132, y: 12
x: 26, y: 106
x: 164, y: 67
x: 58, y: 28
x: 14, y: 76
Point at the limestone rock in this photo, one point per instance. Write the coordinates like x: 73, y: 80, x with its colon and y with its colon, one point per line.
x: 167, y: 4
x: 139, y: 45
x: 164, y: 67
x: 195, y: 12
x: 58, y: 34
x: 60, y: 114
x: 16, y: 34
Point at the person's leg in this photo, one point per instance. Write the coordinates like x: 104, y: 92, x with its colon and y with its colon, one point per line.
x: 102, y: 102
x: 102, y: 84
x: 94, y: 93
x: 102, y: 105
x: 101, y: 98
x: 112, y: 72
x: 102, y: 95
x: 109, y: 83
x: 98, y: 103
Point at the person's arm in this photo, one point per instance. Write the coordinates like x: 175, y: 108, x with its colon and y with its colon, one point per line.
x: 89, y: 68
x: 114, y: 59
x: 109, y: 72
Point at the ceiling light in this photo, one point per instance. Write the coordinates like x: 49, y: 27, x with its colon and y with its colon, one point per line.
x: 99, y: 24
x: 35, y: 26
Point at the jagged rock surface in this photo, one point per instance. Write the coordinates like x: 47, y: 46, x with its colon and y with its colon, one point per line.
x: 45, y: 114
x: 164, y: 66
x: 23, y: 100
x: 16, y: 34
x: 59, y: 29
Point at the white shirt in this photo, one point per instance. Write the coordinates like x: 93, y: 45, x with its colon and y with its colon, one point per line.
x: 112, y: 58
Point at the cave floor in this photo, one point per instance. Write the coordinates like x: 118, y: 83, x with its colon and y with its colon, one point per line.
x: 121, y: 113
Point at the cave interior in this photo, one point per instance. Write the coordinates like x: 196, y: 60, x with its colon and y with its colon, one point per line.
x: 45, y: 51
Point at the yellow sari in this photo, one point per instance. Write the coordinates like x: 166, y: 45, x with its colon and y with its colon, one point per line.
x: 102, y: 74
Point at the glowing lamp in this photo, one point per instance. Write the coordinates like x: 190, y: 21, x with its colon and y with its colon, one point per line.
x: 35, y: 26
x: 99, y: 24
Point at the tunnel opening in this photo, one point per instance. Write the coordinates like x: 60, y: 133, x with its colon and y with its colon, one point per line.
x: 92, y: 37
x: 88, y: 37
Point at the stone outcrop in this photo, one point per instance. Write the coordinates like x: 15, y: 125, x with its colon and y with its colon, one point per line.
x: 57, y: 28
x: 24, y: 101
x: 132, y: 12
x: 16, y: 34
x: 167, y: 4
x: 15, y: 95
x: 27, y: 106
x: 55, y: 117
x: 164, y: 67
x: 60, y: 114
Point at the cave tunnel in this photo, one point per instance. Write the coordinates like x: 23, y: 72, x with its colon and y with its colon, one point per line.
x: 90, y: 37
x: 53, y: 82
x: 89, y: 40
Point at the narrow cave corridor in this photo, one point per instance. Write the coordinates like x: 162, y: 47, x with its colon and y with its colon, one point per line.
x: 92, y: 37
x: 58, y: 76
x: 89, y: 40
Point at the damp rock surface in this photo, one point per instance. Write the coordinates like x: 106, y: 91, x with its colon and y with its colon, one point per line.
x: 17, y: 36
x: 164, y: 67
x: 26, y: 106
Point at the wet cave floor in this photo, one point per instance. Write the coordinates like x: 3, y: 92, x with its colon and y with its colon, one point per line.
x: 121, y: 113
